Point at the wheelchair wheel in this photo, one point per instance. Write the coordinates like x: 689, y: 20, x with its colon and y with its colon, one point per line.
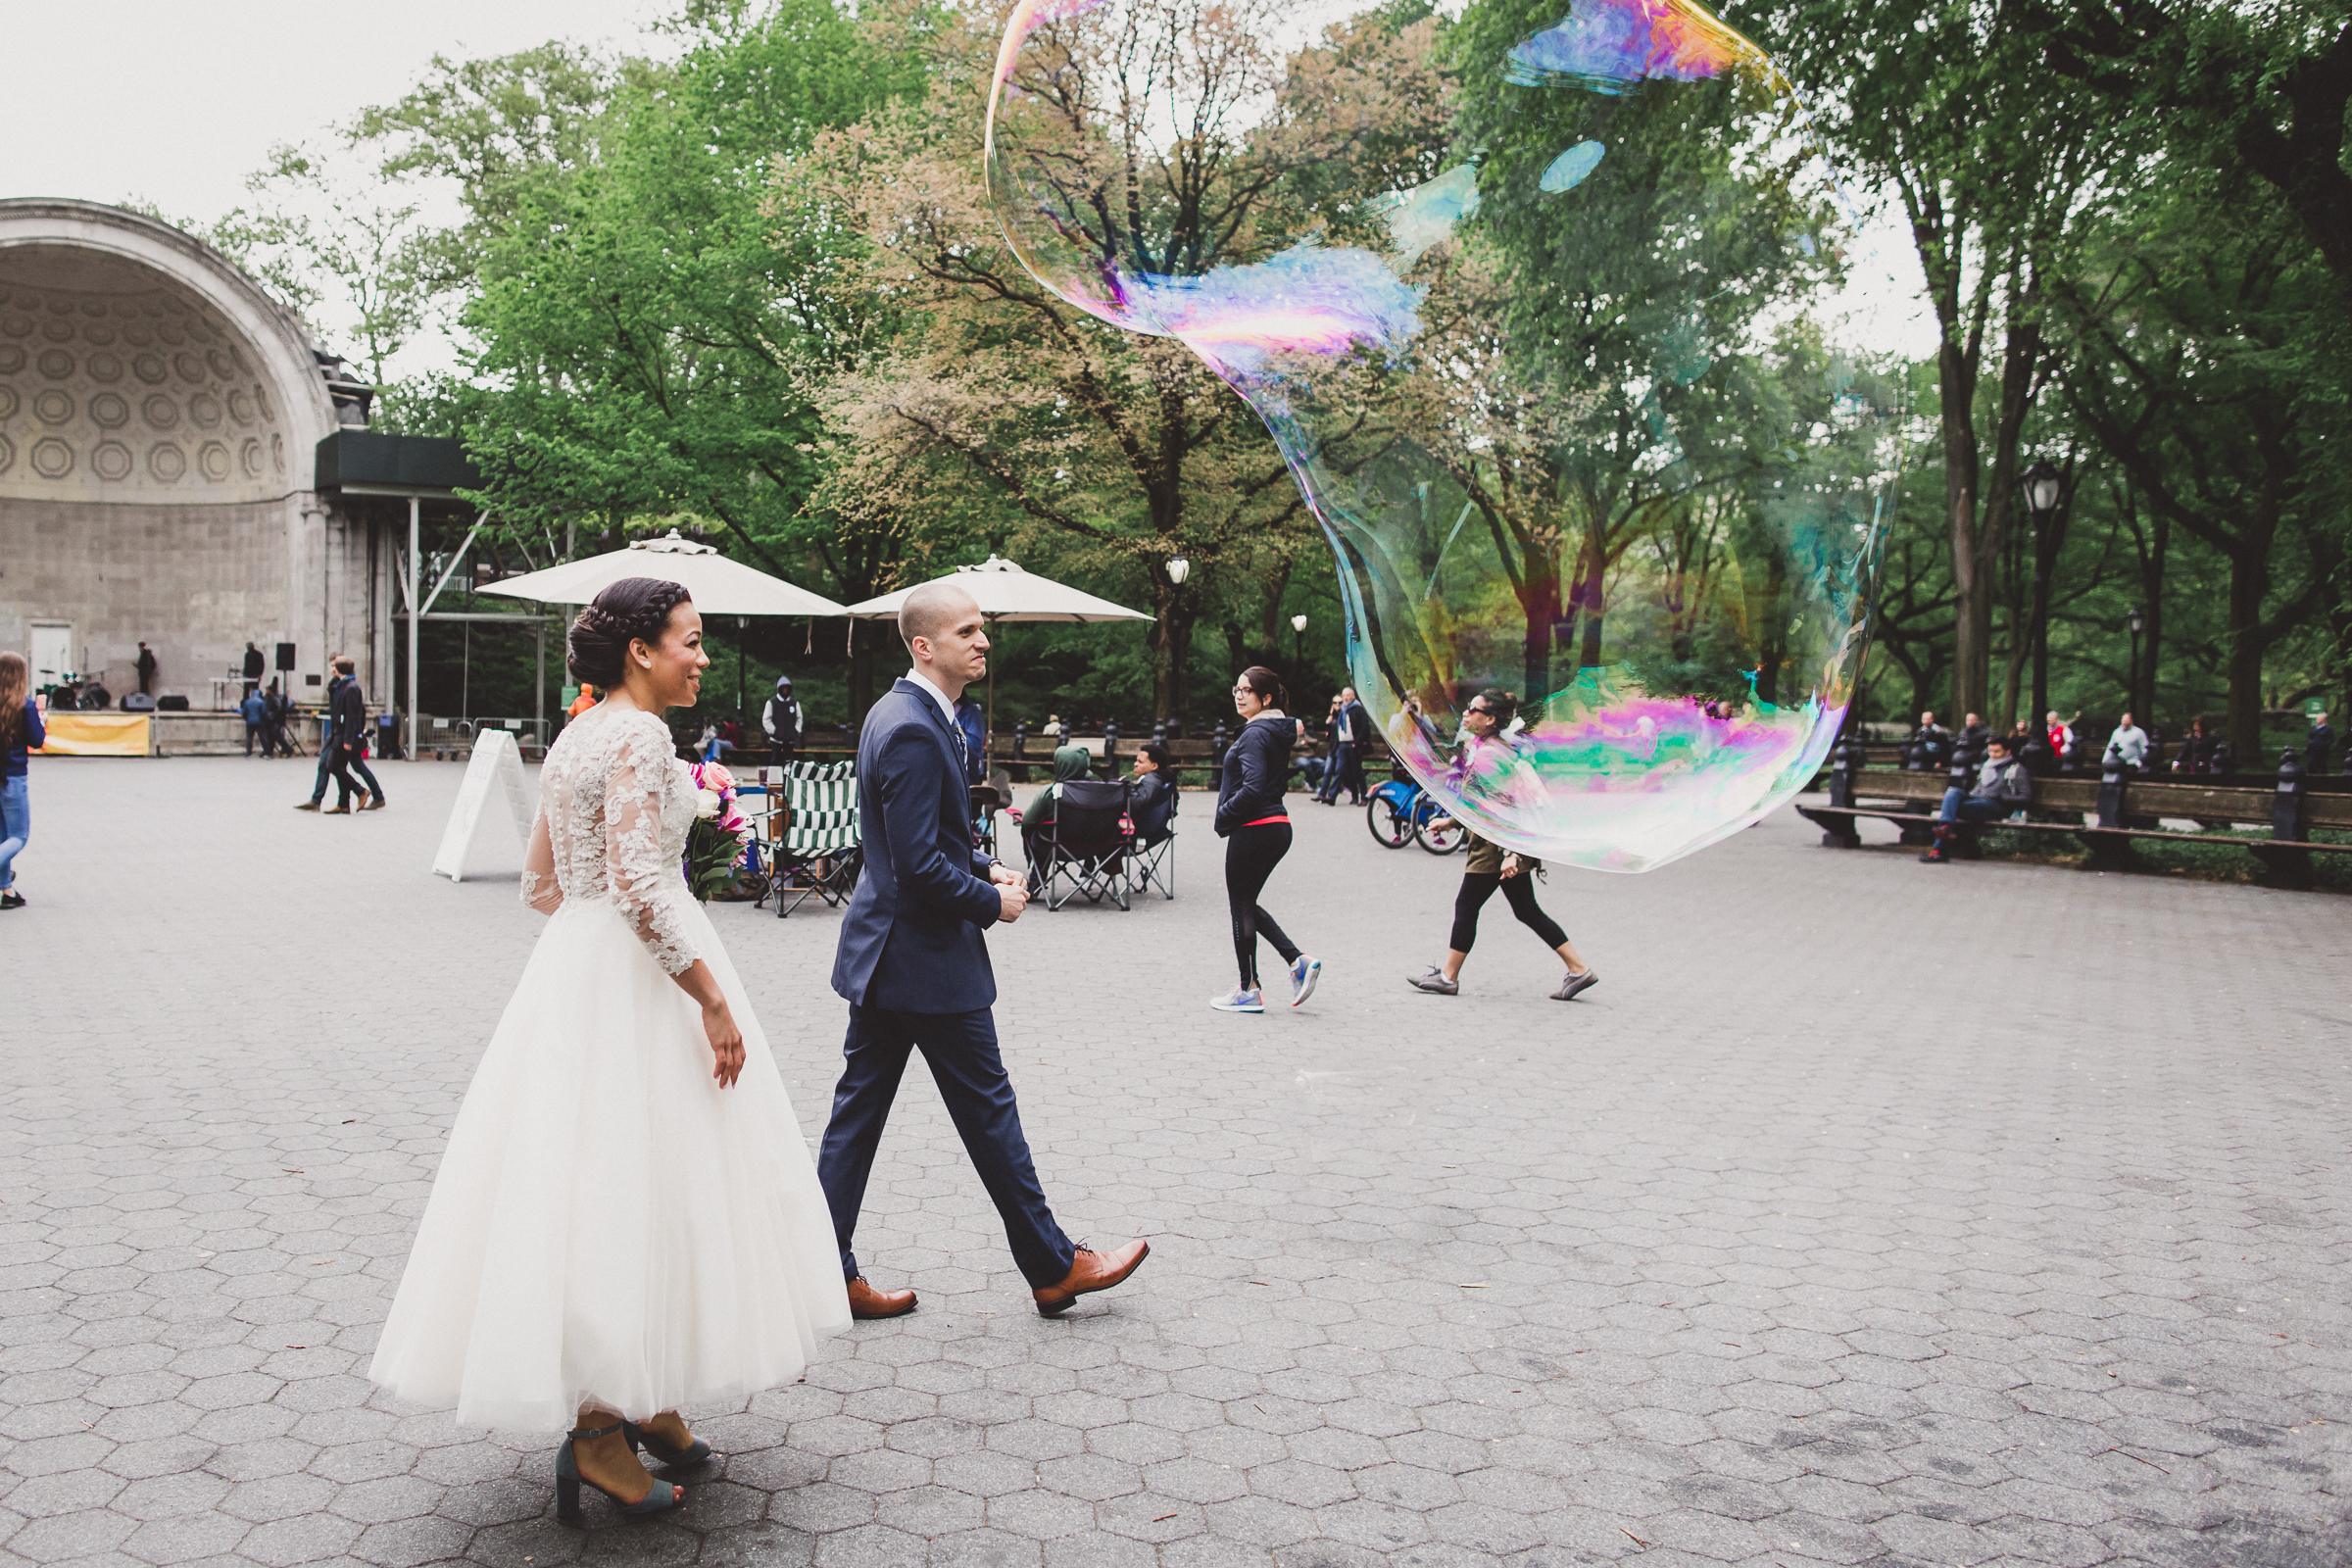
x: 1389, y: 825
x: 1439, y: 840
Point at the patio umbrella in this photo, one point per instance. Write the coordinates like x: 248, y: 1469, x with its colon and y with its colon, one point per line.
x: 1005, y: 591
x: 719, y: 586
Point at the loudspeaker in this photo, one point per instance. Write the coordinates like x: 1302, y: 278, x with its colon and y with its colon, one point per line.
x: 173, y: 703
x: 285, y: 656
x: 141, y: 702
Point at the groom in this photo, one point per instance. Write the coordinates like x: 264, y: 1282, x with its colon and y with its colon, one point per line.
x: 916, y: 971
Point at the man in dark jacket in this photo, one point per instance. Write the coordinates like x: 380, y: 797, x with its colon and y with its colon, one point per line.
x: 2002, y: 788
x: 145, y: 666
x: 782, y: 719
x: 347, y: 729
x: 253, y: 669
x: 914, y: 967
x: 1350, y: 730
x: 2320, y: 743
x: 326, y: 749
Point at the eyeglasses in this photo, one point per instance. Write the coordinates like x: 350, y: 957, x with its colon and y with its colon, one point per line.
x: 1481, y: 713
x: 1245, y: 691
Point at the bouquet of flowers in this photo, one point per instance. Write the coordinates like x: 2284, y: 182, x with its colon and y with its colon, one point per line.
x: 715, y: 845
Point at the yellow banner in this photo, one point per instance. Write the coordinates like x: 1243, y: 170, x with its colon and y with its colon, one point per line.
x: 96, y: 735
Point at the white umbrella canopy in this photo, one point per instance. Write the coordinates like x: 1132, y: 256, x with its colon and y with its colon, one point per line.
x: 719, y: 586
x: 1005, y: 591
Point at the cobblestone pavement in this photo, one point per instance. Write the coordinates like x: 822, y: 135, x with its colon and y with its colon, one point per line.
x: 1865, y: 1212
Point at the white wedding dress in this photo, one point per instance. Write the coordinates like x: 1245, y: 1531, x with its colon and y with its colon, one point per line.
x: 608, y: 1225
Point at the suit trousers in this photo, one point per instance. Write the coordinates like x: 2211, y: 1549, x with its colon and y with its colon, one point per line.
x: 961, y: 1049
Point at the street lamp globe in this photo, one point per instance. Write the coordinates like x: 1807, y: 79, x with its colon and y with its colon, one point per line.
x: 1177, y: 567
x: 1297, y: 623
x: 2138, y: 620
x: 2042, y: 483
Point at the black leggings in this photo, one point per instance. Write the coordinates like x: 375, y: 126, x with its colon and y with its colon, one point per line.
x: 1479, y: 886
x: 1251, y: 855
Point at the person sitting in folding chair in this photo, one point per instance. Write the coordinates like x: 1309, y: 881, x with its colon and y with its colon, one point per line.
x: 1151, y: 808
x: 1070, y: 763
x: 1086, y: 845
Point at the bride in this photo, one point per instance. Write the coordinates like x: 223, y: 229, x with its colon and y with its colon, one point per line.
x: 626, y: 1219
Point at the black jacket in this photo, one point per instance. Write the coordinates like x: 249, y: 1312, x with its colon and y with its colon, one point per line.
x: 349, y: 714
x: 782, y: 722
x: 910, y: 938
x: 1257, y: 767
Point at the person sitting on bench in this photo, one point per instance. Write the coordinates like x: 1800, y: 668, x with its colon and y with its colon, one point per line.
x: 2002, y: 787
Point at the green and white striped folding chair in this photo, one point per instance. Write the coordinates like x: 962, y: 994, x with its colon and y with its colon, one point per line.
x: 819, y: 852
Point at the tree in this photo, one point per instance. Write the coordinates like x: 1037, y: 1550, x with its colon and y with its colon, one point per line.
x: 2187, y: 371
x: 998, y: 398
x: 1991, y: 163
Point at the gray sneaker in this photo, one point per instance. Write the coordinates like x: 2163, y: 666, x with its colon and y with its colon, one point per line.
x: 1576, y: 983
x: 1435, y: 982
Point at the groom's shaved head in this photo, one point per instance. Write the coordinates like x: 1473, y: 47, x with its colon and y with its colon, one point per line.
x: 932, y: 609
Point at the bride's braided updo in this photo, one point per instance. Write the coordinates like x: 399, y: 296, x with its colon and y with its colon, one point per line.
x: 635, y: 608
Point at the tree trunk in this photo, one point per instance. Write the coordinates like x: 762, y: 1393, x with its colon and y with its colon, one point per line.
x: 2249, y: 583
x: 2021, y: 360
x: 861, y: 672
x: 1539, y: 607
x: 1972, y: 593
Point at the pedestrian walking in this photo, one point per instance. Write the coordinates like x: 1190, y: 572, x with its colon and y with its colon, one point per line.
x: 1351, y: 729
x: 327, y: 749
x: 913, y: 963
x: 1255, y: 825
x: 348, y: 719
x: 256, y: 714
x: 276, y: 710
x: 20, y: 734
x: 1486, y: 752
x: 145, y: 666
x: 625, y: 1220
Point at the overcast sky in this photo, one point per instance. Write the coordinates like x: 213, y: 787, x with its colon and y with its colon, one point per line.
x: 174, y: 104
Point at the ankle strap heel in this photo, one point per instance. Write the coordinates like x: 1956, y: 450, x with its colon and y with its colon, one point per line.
x: 661, y: 1499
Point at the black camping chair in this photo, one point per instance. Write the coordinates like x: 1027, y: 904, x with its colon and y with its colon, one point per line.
x: 1152, y: 860
x: 1086, y: 845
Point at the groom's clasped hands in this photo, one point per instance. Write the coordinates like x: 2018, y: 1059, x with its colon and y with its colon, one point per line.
x: 1011, y: 893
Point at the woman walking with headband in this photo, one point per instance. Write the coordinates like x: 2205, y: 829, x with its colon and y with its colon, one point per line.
x: 1490, y: 867
x: 1256, y: 826
x: 20, y: 734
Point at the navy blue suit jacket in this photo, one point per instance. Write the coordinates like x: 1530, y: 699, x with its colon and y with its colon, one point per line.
x: 911, y: 941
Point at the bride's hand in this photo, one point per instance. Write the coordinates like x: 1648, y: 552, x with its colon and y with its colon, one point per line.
x: 726, y: 1043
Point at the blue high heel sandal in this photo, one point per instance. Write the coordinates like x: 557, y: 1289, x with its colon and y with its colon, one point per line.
x: 663, y: 1497
x: 639, y: 1438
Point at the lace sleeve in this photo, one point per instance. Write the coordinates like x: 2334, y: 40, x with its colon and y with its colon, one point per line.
x: 645, y: 885
x: 540, y: 889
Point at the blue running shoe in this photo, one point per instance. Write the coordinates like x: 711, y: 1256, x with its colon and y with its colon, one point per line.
x: 1304, y: 975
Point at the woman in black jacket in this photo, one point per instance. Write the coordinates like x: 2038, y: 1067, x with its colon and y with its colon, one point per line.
x: 1255, y: 825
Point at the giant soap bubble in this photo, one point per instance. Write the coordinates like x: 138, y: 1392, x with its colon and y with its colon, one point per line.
x: 1540, y: 308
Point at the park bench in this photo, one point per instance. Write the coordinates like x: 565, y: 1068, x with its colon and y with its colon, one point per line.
x: 2126, y: 808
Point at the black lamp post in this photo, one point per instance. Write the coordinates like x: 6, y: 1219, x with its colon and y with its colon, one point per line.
x: 1298, y: 652
x: 2137, y: 619
x: 2043, y: 484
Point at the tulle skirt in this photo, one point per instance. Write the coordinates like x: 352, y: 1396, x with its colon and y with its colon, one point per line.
x: 608, y: 1225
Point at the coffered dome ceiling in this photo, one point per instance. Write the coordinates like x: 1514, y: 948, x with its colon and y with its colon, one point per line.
x: 120, y: 383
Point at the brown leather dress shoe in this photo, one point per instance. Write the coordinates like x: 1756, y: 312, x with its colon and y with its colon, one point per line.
x: 1091, y: 1271
x: 866, y: 1301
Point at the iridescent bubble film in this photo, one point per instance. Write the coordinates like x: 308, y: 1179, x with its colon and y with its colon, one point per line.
x: 1541, y: 303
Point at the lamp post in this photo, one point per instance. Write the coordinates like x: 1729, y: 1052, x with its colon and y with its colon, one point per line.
x: 1298, y: 650
x: 741, y: 622
x: 2137, y: 619
x: 2043, y: 484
